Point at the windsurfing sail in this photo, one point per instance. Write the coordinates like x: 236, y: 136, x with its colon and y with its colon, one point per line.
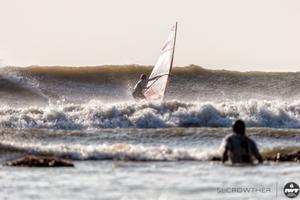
x: 158, y: 80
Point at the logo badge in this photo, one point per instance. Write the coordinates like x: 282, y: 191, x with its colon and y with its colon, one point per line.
x: 291, y: 190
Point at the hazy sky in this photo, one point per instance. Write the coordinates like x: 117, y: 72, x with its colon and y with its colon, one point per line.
x: 219, y: 34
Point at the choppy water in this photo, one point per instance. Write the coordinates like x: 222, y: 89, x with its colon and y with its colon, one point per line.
x: 147, y: 150
x: 154, y: 180
x: 168, y: 163
x: 167, y: 144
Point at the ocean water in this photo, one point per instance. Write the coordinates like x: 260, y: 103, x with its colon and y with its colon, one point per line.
x: 145, y: 150
x: 168, y: 163
x: 151, y: 180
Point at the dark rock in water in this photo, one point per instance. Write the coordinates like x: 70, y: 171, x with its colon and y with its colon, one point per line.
x: 40, y: 161
x: 216, y: 158
x: 291, y: 157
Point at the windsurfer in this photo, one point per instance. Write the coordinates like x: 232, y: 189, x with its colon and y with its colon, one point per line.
x: 154, y: 87
x: 141, y: 85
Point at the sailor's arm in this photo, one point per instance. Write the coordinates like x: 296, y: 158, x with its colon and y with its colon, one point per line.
x: 156, y: 77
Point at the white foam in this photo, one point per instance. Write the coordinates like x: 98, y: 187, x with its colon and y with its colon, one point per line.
x: 119, y: 151
x: 95, y: 114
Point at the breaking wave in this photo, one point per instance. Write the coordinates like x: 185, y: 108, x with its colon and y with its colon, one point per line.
x: 114, y: 84
x: 100, y: 97
x: 130, y: 152
x: 119, y: 151
x: 95, y: 114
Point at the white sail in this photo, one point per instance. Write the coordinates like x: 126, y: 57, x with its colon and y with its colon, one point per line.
x: 160, y: 74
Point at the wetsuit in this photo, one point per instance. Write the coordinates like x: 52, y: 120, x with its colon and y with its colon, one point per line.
x: 240, y: 149
x: 138, y: 89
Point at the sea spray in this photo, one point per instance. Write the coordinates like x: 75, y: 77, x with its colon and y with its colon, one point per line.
x: 96, y: 114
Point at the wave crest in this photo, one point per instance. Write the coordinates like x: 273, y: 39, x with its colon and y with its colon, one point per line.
x: 114, y: 83
x: 95, y: 114
x: 131, y: 152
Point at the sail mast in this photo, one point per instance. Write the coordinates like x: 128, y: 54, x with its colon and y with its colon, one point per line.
x: 172, y: 58
x: 173, y: 48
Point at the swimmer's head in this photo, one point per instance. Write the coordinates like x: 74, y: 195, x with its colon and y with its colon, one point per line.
x: 239, y: 127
